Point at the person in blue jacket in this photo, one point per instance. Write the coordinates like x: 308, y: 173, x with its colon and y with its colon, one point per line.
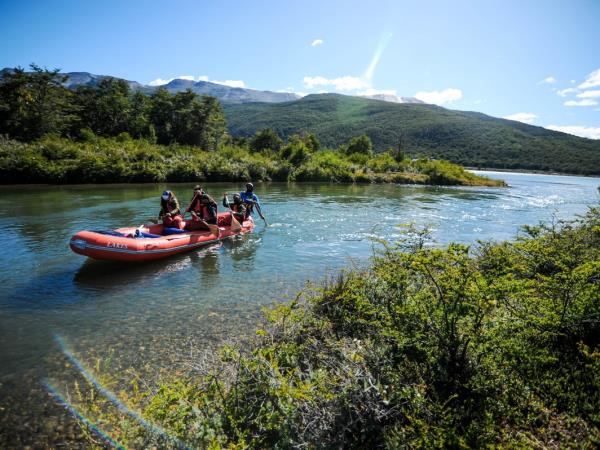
x: 250, y: 199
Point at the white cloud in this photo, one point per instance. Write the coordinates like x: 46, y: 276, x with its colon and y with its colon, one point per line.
x: 316, y: 42
x: 564, y: 92
x: 589, y: 94
x: 584, y: 102
x: 592, y: 80
x: 522, y: 117
x: 345, y: 83
x: 586, y: 132
x: 572, y: 81
x: 160, y: 81
x: 372, y: 91
x: 230, y: 83
x: 440, y: 97
x: 548, y: 80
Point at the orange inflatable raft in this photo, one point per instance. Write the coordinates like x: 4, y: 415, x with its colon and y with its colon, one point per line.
x: 151, y: 242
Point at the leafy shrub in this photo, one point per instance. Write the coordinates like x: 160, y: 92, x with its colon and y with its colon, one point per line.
x: 455, y: 347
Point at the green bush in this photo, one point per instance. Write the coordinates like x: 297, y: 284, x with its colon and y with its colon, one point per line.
x: 496, y: 346
x: 96, y: 159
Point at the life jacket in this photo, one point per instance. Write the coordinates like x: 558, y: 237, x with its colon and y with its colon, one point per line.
x: 237, y: 209
x: 166, y: 205
x: 202, y: 207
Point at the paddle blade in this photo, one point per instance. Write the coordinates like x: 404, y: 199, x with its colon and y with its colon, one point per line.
x: 235, y: 225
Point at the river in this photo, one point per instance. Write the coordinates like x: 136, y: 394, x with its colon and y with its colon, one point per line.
x: 150, y: 316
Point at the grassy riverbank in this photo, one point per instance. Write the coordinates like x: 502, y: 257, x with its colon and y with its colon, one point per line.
x: 94, y: 159
x: 494, y: 345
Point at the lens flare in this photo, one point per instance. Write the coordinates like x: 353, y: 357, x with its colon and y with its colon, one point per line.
x: 377, y: 56
x: 79, y: 416
x: 154, y: 429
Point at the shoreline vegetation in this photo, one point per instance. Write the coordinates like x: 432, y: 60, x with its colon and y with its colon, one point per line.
x: 58, y: 160
x: 493, y: 345
x: 111, y: 134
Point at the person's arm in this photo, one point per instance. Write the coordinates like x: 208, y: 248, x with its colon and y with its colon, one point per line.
x: 241, y: 213
x: 225, y: 201
x: 175, y: 210
x: 192, y: 205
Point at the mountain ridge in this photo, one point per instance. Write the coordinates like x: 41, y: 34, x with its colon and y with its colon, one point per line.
x: 465, y: 137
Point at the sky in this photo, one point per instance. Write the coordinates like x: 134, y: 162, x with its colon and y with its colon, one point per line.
x: 533, y: 61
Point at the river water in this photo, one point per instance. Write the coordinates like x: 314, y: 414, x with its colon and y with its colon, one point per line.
x: 149, y: 316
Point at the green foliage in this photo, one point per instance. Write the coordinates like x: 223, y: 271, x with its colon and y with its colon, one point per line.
x: 360, y: 144
x: 465, y: 138
x: 265, y: 139
x: 95, y: 159
x: 35, y: 104
x: 497, y: 346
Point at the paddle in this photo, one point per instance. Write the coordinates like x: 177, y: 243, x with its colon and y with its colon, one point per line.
x: 213, y: 228
x: 235, y: 225
x: 260, y: 213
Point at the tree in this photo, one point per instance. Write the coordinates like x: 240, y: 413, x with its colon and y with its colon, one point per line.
x: 139, y: 123
x: 215, y: 126
x: 360, y: 144
x: 105, y: 109
x: 265, y: 139
x: 33, y: 104
x: 398, y: 153
x: 296, y: 151
x: 161, y: 115
x: 311, y: 141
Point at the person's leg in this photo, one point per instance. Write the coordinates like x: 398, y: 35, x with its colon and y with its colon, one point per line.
x: 174, y: 222
x: 177, y: 222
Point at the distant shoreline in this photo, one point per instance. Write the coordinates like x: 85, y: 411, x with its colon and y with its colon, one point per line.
x: 531, y: 172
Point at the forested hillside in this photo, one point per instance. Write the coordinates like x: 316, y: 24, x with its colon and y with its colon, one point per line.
x: 468, y: 138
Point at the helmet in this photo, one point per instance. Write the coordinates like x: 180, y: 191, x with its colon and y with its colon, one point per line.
x: 198, y: 188
x: 166, y: 195
x: 237, y: 198
x: 249, y: 186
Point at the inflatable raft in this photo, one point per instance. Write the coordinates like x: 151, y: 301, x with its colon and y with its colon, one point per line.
x: 150, y: 242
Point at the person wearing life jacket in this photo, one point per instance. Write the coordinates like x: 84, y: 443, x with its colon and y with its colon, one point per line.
x: 237, y: 207
x: 250, y: 199
x: 169, y: 211
x: 202, y: 207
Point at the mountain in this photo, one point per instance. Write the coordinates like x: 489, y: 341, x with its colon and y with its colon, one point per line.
x: 226, y: 94
x: 393, y: 98
x: 229, y: 94
x: 464, y: 137
x: 89, y: 79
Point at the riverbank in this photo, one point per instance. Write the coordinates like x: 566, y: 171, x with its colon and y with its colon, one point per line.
x: 528, y: 171
x: 428, y: 347
x: 121, y: 314
x: 57, y: 160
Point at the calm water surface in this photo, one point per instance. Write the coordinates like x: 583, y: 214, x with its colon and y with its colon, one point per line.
x: 146, y: 316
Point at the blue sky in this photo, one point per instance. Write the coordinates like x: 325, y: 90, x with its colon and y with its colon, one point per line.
x: 537, y: 61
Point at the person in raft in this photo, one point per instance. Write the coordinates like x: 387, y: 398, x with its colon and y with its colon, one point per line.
x: 202, y: 208
x: 250, y: 199
x: 169, y: 211
x: 237, y: 207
